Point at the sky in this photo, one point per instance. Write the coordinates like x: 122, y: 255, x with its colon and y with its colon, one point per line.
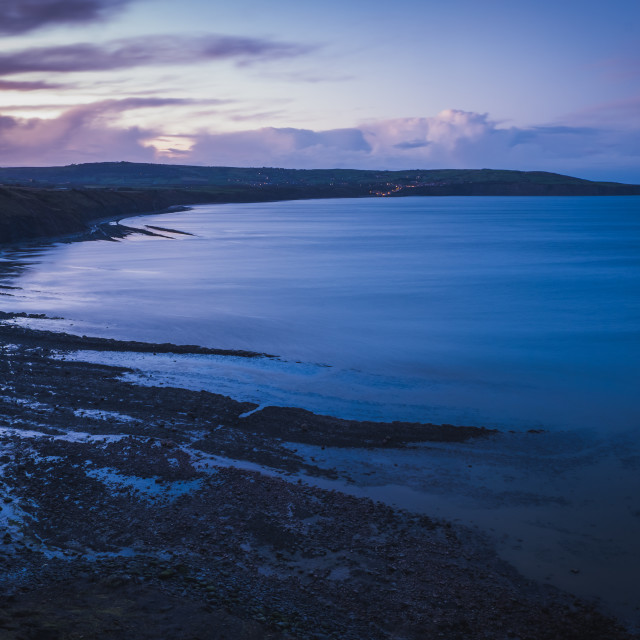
x: 551, y: 85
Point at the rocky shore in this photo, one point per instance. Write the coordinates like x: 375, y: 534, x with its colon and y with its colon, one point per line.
x: 154, y: 512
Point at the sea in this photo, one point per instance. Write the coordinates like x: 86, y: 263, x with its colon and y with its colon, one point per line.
x: 515, y: 313
x: 507, y: 312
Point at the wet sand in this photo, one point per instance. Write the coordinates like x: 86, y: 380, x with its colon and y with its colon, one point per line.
x: 154, y: 512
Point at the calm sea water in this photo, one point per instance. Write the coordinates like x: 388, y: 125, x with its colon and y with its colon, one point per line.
x: 519, y: 312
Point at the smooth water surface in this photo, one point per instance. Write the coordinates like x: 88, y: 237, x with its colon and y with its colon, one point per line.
x: 519, y: 312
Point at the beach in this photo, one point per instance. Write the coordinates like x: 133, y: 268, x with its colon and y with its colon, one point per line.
x: 122, y: 502
x: 145, y: 491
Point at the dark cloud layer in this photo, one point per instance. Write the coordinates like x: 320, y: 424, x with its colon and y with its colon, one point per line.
x: 138, y: 52
x: 21, y: 16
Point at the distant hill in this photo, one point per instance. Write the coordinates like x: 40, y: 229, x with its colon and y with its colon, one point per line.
x: 44, y: 202
x: 399, y: 183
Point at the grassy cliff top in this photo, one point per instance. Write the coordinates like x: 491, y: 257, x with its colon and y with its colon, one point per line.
x: 127, y: 174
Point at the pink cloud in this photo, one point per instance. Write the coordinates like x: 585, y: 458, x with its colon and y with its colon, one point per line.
x: 451, y: 139
x: 80, y: 134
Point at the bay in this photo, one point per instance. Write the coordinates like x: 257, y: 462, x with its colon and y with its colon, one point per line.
x: 515, y: 313
x: 509, y: 312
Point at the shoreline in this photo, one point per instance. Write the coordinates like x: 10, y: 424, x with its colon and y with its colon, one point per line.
x: 255, y: 551
x: 39, y: 214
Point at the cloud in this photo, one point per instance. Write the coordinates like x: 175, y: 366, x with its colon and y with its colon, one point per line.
x: 41, y: 106
x: 38, y: 85
x: 289, y: 147
x: 86, y: 133
x: 21, y: 16
x: 260, y: 115
x: 451, y: 139
x: 127, y: 104
x: 415, y: 144
x: 145, y: 51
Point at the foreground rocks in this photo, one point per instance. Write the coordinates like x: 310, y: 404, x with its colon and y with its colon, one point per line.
x: 123, y: 516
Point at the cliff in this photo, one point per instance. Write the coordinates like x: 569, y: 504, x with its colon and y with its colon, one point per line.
x: 27, y: 214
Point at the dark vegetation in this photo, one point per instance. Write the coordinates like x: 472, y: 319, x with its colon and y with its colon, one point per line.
x: 38, y: 202
x: 126, y: 174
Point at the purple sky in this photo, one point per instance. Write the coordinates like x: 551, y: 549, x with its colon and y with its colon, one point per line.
x: 414, y: 84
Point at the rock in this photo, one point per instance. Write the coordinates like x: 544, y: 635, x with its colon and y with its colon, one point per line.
x: 166, y: 574
x: 116, y: 580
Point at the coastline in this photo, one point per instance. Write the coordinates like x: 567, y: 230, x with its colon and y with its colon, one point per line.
x: 147, y: 457
x: 97, y: 472
x: 39, y: 214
